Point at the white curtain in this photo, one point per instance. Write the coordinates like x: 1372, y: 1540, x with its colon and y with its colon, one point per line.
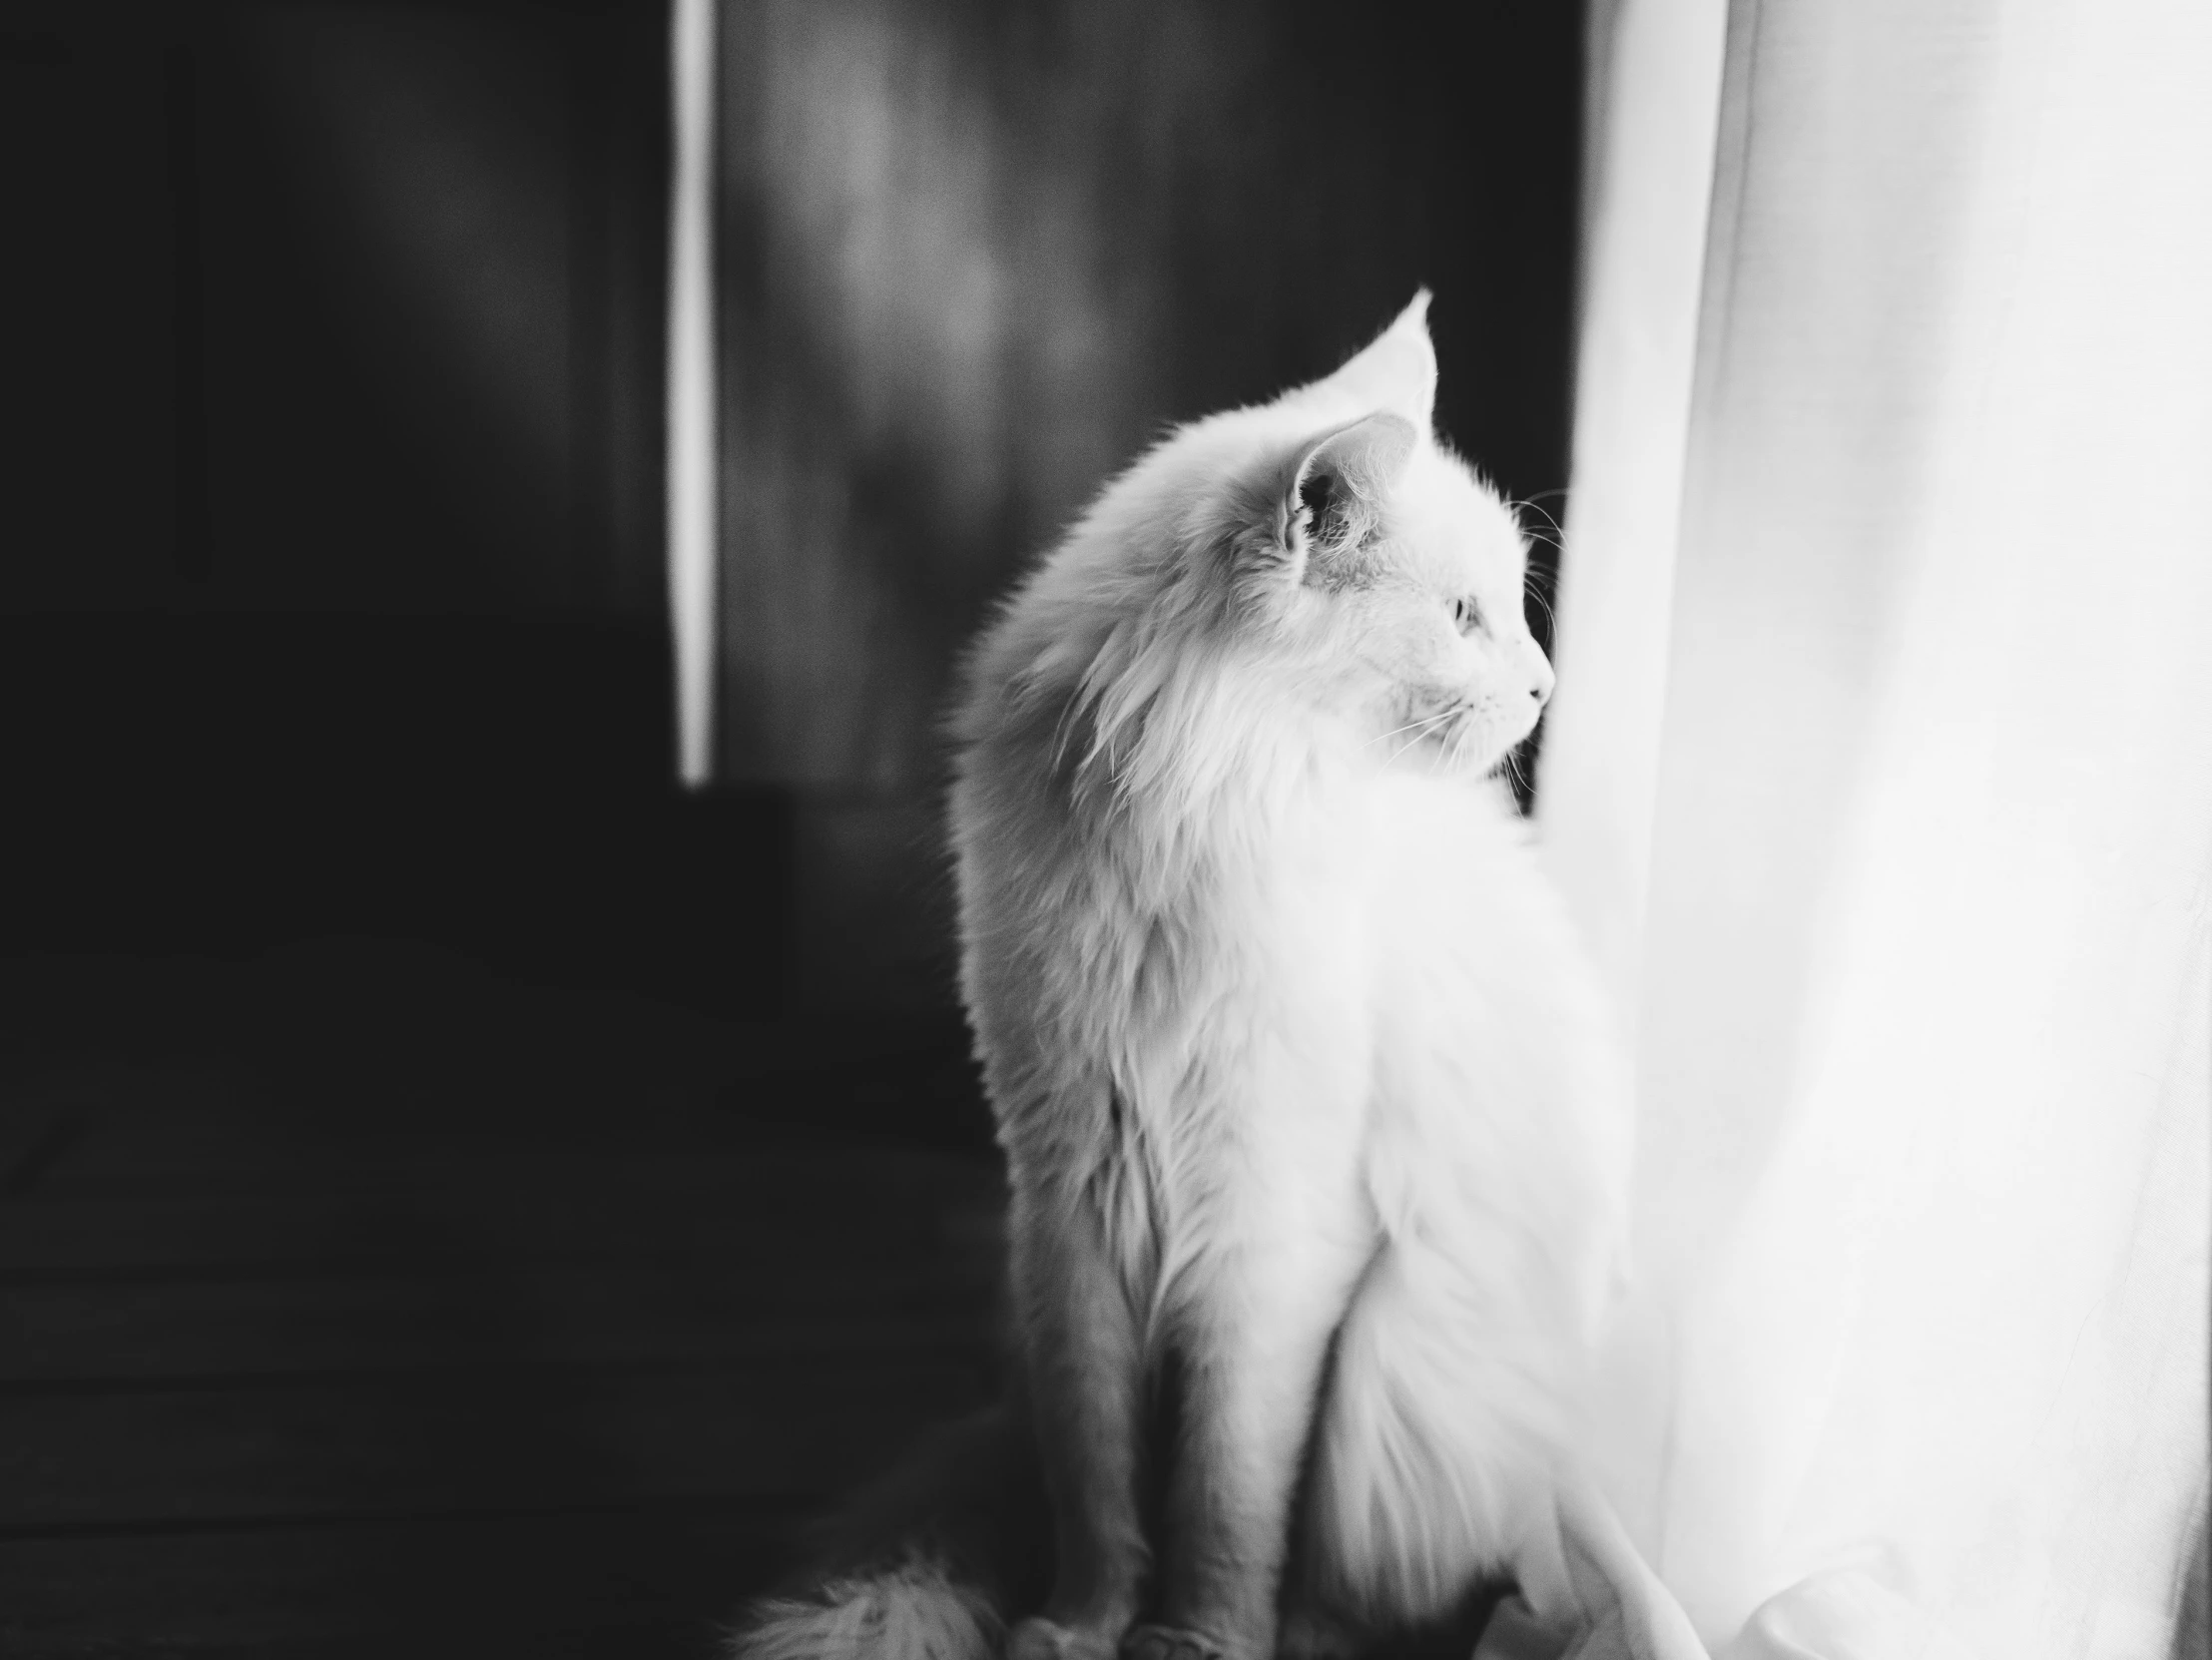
x: 1880, y: 774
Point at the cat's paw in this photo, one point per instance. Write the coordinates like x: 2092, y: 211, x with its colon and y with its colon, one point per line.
x: 1167, y: 1642
x: 1042, y: 1639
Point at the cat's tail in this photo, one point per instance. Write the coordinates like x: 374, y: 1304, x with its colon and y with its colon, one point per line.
x: 924, y: 1566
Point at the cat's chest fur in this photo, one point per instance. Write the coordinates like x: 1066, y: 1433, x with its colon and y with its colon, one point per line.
x: 1361, y: 963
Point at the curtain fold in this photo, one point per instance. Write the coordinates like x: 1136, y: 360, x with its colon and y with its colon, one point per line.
x: 1881, y: 774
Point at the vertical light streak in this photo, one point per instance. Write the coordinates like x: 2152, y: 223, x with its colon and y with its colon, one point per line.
x: 690, y: 384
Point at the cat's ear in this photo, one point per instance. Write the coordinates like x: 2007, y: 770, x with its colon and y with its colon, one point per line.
x: 1397, y: 371
x: 1332, y: 494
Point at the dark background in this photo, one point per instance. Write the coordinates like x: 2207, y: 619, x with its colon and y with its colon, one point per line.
x: 452, y: 1183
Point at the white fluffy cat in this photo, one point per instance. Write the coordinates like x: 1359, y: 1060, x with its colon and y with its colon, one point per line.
x: 1311, y: 1113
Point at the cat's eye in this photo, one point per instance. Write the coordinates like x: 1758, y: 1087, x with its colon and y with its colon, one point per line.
x: 1467, y: 614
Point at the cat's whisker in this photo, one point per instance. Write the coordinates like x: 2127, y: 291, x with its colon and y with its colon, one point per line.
x: 1425, y: 725
x: 1534, y: 504
x: 1427, y: 720
x: 1410, y: 744
x: 1532, y: 588
x: 1447, y: 750
x: 1454, y: 738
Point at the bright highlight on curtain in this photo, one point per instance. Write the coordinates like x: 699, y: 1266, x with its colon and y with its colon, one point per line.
x: 690, y: 384
x: 1881, y: 774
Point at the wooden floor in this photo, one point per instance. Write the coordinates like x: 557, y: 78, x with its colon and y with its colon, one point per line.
x: 355, y: 1301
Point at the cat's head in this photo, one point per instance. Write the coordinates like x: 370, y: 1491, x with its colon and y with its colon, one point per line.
x: 1375, y: 571
x: 1321, y: 553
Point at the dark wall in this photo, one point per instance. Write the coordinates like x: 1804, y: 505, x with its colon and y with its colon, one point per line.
x: 333, y: 597
x: 334, y: 309
x: 331, y: 588
x: 978, y: 252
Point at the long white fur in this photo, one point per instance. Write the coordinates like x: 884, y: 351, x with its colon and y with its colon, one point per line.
x: 1301, y: 1077
x: 1273, y: 1001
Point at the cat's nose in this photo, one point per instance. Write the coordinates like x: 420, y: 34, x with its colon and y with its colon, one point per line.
x: 1541, y: 689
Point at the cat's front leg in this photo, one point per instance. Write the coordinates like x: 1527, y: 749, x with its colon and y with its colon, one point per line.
x: 1081, y: 1351
x: 1251, y: 1349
